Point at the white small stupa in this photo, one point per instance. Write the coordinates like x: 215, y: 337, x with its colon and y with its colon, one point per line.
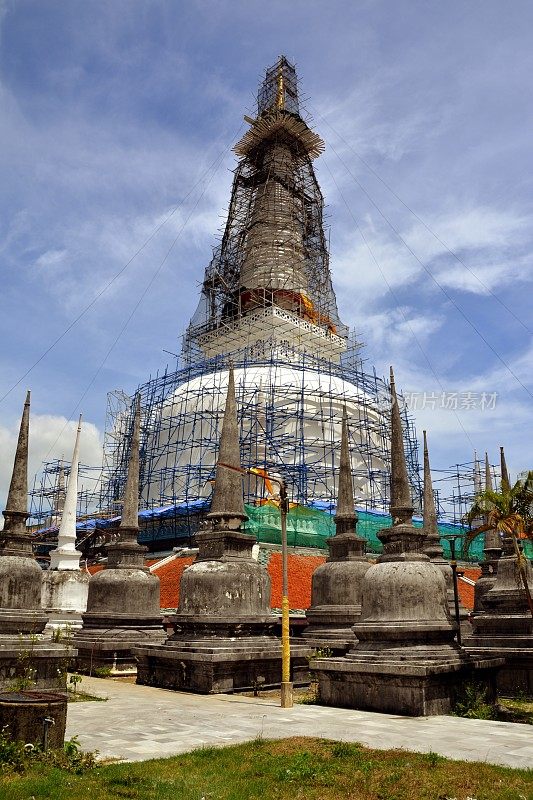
x: 65, y: 586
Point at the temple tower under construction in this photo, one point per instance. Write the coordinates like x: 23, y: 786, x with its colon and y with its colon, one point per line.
x: 267, y: 307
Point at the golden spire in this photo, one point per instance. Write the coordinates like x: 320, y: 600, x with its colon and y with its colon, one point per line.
x: 280, y: 96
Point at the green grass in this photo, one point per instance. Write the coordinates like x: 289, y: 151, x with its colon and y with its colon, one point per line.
x: 291, y: 769
x: 515, y: 709
x: 83, y: 697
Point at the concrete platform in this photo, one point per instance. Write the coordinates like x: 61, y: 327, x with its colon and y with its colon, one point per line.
x: 141, y: 722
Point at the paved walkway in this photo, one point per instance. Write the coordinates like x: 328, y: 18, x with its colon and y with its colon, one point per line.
x: 139, y: 722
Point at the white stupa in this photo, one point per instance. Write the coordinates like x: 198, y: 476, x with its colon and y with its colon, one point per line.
x: 65, y: 585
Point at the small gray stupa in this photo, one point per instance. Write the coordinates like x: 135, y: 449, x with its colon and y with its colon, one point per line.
x: 505, y: 627
x: 406, y: 660
x: 336, y: 585
x: 223, y: 628
x: 27, y: 660
x: 433, y: 547
x: 123, y: 602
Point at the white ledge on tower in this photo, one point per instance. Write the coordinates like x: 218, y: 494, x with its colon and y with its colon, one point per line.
x: 277, y: 323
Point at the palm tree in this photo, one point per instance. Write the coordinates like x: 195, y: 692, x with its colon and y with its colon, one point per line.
x: 510, y: 512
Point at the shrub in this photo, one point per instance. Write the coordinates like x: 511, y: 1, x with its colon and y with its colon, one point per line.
x: 472, y: 703
x: 19, y: 757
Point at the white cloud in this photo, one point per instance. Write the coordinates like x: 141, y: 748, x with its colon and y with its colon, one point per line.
x: 51, y: 437
x: 389, y: 334
x: 488, y: 240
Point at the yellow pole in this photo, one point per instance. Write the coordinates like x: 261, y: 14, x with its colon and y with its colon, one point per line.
x: 286, y: 685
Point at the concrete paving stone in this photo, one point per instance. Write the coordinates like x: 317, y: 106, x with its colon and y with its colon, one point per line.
x: 122, y: 727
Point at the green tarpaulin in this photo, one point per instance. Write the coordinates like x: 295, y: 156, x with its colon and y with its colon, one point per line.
x: 310, y: 527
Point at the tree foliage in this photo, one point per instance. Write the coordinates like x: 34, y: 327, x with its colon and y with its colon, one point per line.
x: 509, y: 511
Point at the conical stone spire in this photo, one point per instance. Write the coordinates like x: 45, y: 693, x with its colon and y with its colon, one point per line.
x: 14, y: 539
x: 506, y: 483
x: 345, y: 544
x: 20, y: 575
x: 402, y: 538
x: 405, y: 626
x: 346, y: 517
x: 493, y: 545
x: 432, y: 545
x: 123, y: 606
x: 488, y: 479
x: 130, y: 509
x: 65, y: 556
x: 227, y: 505
x: 127, y: 553
x: 401, y: 505
x: 477, y: 475
x: 61, y: 493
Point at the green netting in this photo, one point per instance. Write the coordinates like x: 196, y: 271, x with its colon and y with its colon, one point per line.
x: 310, y: 527
x: 306, y: 527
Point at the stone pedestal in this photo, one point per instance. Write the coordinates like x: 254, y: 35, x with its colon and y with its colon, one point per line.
x: 123, y: 608
x: 406, y: 660
x: 64, y: 598
x: 487, y: 579
x: 223, y: 638
x: 33, y: 662
x: 336, y: 596
x: 411, y: 689
x: 122, y: 612
x: 505, y: 628
x: 27, y: 659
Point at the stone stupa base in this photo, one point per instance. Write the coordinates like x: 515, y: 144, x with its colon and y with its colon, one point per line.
x: 219, y: 664
x: 62, y: 624
x: 31, y: 661
x: 110, y: 649
x: 330, y: 629
x: 401, y: 687
x: 507, y: 636
x: 64, y: 598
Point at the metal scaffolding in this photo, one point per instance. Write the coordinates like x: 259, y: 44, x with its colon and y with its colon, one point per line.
x: 267, y: 306
x: 290, y: 418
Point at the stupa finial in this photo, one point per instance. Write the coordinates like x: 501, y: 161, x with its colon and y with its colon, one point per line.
x: 477, y: 475
x: 130, y: 508
x: 401, y: 504
x: 65, y: 555
x: 227, y: 504
x: 506, y: 483
x: 16, y: 511
x: 346, y: 516
x: 488, y: 478
x: 432, y: 545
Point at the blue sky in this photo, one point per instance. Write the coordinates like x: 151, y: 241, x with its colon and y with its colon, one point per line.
x: 110, y: 112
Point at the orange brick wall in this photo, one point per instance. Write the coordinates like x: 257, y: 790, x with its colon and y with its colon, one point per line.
x: 301, y: 569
